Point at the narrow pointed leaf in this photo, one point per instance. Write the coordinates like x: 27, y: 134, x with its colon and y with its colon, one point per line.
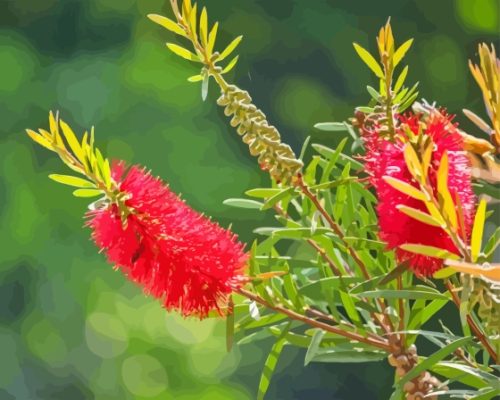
x: 204, y: 26
x: 429, y: 251
x: 211, y: 39
x: 314, y: 345
x: 405, y: 188
x: 70, y: 137
x: 401, y: 51
x: 418, y: 215
x: 331, y: 126
x: 477, y: 230
x: 231, y: 65
x: 489, y: 271
x: 270, y: 364
x: 204, y: 87
x: 401, y: 79
x: 182, y: 52
x: 230, y: 48
x: 442, y: 185
x: 369, y: 60
x: 72, y: 181
x: 39, y: 139
x: 195, y: 78
x: 87, y: 192
x: 433, y: 359
x: 243, y: 203
x: 167, y: 23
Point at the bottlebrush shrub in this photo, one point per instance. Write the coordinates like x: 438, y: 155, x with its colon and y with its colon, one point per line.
x: 404, y: 218
x: 367, y: 271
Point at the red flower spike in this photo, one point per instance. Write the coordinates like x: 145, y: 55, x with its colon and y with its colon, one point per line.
x: 177, y: 255
x: 385, y: 157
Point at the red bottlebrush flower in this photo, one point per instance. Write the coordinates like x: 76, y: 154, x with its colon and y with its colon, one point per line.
x: 385, y: 158
x: 176, y: 254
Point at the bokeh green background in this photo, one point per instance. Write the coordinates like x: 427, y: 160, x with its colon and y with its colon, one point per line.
x: 70, y: 326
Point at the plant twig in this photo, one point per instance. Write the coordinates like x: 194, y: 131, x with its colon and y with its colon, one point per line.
x: 477, y: 332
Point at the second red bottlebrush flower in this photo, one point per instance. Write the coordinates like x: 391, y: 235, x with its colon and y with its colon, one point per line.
x: 176, y: 254
x: 385, y: 157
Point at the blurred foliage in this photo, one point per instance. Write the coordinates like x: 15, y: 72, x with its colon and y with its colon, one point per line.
x: 70, y: 326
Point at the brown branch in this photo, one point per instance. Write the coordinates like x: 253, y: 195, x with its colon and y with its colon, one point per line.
x: 381, y: 344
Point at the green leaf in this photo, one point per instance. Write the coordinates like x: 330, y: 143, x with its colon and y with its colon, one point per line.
x: 167, y: 23
x: 401, y: 51
x: 87, y: 192
x: 263, y: 192
x: 429, y: 251
x: 231, y: 65
x: 477, y: 230
x: 403, y: 294
x: 314, y: 346
x: 243, y: 203
x: 270, y: 364
x: 230, y: 328
x: 334, y: 355
x: 433, y: 359
x: 230, y: 48
x: 182, y: 52
x: 272, y: 201
x: 363, y: 243
x: 375, y: 95
x: 331, y: 126
x: 369, y: 60
x: 333, y: 184
x: 444, y: 273
x: 320, y: 289
x: 298, y: 233
x: 72, y: 181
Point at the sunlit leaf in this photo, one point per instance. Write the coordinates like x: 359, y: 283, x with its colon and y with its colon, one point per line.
x: 40, y: 139
x: 477, y: 230
x: 167, y: 23
x: 204, y: 26
x: 442, y: 186
x: 369, y: 60
x: 231, y: 65
x: 211, y: 39
x: 429, y: 251
x: 195, y: 78
x: 419, y: 215
x: 405, y: 188
x: 488, y: 271
x: 87, y: 192
x: 72, y: 181
x: 230, y: 48
x: 401, y: 51
x: 412, y: 162
x: 182, y: 52
x: 401, y: 79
